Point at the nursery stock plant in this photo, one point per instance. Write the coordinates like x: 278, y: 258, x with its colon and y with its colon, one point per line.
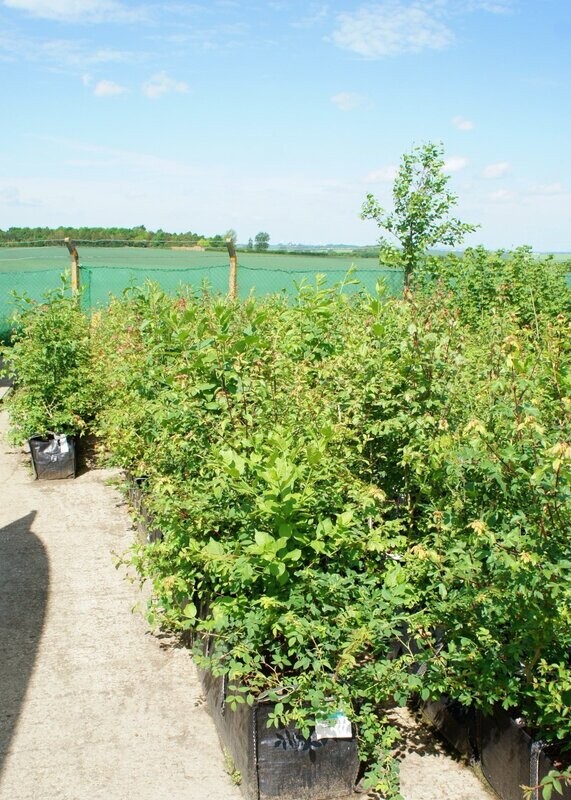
x: 274, y: 545
x: 491, y: 479
x: 485, y: 283
x: 50, y: 361
x: 339, y: 480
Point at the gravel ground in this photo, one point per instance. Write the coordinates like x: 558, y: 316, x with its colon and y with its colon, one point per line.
x: 92, y: 705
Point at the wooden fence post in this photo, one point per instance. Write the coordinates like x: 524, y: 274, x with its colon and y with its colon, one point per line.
x: 233, y: 279
x: 74, y: 265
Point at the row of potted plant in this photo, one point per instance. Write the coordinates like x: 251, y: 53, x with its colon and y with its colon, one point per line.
x: 329, y: 475
x: 340, y: 479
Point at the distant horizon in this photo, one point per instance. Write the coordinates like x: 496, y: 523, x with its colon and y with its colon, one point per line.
x: 308, y: 246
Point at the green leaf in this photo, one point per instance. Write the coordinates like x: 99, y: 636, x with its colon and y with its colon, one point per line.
x: 190, y: 610
x: 263, y: 539
x: 547, y: 791
x: 213, y: 548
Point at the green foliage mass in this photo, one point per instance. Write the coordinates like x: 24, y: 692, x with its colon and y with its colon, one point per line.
x: 485, y: 283
x: 361, y: 498
x: 50, y: 360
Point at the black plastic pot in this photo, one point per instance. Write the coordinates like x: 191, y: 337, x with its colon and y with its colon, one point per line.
x: 457, y: 723
x: 278, y: 762
x: 5, y: 382
x: 507, y: 755
x: 53, y: 456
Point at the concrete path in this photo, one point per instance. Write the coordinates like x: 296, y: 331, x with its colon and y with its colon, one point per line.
x: 92, y: 706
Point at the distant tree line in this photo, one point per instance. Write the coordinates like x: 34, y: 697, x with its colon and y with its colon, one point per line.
x: 138, y: 236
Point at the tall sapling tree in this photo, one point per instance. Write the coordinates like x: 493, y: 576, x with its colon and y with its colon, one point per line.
x: 422, y: 204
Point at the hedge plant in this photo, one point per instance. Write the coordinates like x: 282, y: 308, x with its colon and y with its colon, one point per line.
x: 339, y: 479
x: 51, y: 364
x: 360, y: 498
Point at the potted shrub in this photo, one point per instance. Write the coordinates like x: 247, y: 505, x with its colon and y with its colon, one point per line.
x: 53, y: 397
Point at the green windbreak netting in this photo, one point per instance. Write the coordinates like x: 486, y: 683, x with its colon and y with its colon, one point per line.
x: 102, y: 282
x: 261, y: 273
x: 34, y: 271
x: 32, y: 283
x: 349, y: 278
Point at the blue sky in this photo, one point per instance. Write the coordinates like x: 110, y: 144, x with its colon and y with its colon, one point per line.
x: 282, y: 116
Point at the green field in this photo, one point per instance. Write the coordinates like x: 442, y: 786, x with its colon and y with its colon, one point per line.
x: 26, y: 259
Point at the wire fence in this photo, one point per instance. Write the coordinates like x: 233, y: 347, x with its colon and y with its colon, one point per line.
x: 33, y: 284
x: 101, y: 282
x: 259, y: 274
x: 106, y: 272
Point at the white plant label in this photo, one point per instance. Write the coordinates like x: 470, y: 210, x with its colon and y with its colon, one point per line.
x: 335, y: 726
x: 64, y: 446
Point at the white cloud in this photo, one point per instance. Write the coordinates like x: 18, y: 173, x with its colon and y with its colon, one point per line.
x: 210, y: 38
x: 107, y: 89
x: 141, y: 163
x: 160, y: 84
x: 89, y: 163
x: 495, y: 170
x: 455, y: 164
x: 383, y: 175
x: 74, y: 54
x: 82, y: 11
x: 106, y: 55
x: 393, y: 27
x: 548, y: 189
x: 462, y: 124
x: 347, y: 101
x: 502, y: 196
x: 66, y: 53
x: 389, y: 29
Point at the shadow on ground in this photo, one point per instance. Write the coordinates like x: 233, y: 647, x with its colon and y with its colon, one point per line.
x: 24, y: 583
x: 420, y: 737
